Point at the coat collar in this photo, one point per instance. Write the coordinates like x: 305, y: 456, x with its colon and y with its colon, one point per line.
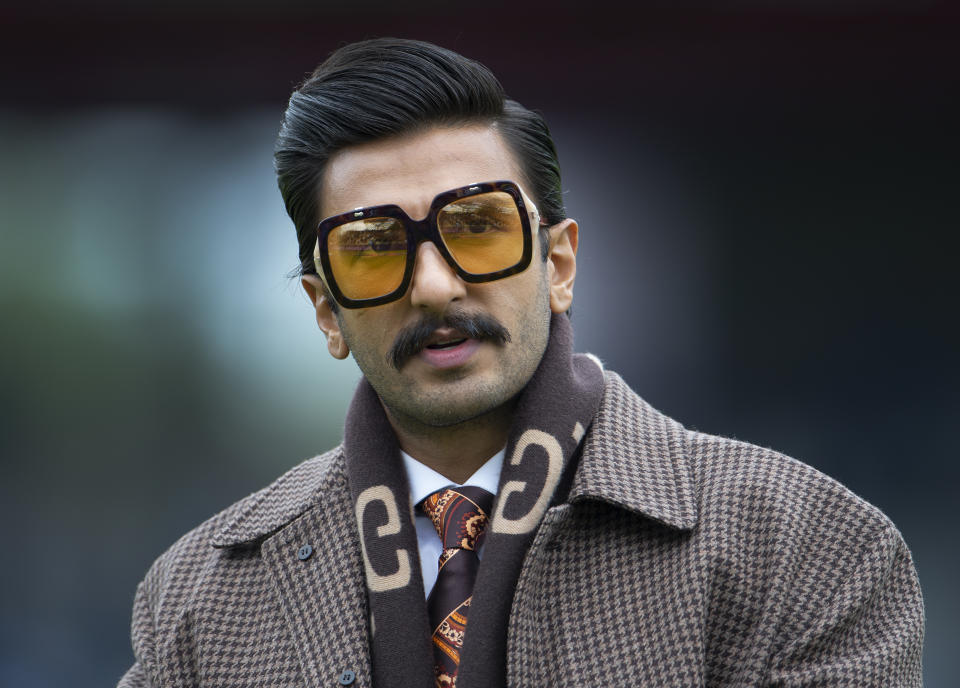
x: 633, y: 456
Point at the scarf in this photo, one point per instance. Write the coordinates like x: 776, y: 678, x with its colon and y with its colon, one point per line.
x: 552, y: 415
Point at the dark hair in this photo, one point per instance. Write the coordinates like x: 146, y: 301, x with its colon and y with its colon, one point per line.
x: 387, y: 86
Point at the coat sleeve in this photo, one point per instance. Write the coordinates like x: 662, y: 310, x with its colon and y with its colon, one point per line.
x: 142, y: 636
x: 868, y: 632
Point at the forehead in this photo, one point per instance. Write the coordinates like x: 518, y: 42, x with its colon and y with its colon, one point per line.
x: 409, y: 170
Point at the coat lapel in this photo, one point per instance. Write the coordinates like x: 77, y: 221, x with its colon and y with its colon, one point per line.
x: 310, y: 546
x: 636, y: 457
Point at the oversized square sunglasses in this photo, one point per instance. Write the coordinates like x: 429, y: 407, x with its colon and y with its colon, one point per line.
x: 482, y: 230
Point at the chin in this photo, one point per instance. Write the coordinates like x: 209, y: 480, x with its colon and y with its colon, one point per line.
x: 448, y: 407
x: 446, y: 415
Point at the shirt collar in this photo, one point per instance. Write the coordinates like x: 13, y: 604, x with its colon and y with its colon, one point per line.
x: 423, y: 480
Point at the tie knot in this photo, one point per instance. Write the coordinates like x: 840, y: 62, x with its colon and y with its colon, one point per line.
x: 459, y: 515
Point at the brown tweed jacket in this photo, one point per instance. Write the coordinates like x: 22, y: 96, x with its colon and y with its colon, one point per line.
x: 678, y: 559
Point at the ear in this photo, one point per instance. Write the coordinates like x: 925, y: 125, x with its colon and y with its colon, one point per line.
x: 562, y: 264
x: 326, y: 317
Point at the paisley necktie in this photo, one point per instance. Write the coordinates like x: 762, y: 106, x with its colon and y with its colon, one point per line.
x: 460, y: 517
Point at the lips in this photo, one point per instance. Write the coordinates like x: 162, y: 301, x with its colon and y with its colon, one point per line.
x: 445, y: 345
x: 446, y: 348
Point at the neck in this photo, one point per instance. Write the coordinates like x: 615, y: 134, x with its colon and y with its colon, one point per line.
x: 455, y: 451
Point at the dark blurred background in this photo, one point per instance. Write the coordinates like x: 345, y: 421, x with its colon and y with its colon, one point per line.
x: 767, y: 195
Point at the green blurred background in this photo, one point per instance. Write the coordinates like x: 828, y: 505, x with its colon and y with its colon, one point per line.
x: 766, y: 195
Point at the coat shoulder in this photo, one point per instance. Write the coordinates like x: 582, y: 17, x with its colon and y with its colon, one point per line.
x: 727, y: 476
x: 780, y: 552
x: 737, y: 477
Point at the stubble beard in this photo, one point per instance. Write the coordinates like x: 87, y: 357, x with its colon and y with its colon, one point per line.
x: 462, y: 397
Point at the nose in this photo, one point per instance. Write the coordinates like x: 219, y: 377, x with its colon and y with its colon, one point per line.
x: 434, y: 285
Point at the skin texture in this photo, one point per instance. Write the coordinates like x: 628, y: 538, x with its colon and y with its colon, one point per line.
x: 451, y: 419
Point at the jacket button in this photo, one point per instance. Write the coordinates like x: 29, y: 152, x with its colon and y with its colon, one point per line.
x: 304, y: 552
x: 347, y: 677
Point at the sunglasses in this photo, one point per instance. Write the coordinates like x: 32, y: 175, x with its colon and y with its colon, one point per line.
x: 483, y: 231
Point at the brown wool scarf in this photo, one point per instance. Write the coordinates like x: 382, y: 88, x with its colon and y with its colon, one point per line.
x: 553, y: 414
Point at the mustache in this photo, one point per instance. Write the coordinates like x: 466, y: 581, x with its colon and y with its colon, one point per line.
x: 411, y: 339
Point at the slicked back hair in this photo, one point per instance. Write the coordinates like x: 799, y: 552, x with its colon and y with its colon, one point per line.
x: 384, y: 87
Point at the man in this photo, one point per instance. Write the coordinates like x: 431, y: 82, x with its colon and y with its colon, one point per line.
x: 501, y: 511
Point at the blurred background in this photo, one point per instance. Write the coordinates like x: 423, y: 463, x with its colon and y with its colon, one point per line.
x: 767, y: 194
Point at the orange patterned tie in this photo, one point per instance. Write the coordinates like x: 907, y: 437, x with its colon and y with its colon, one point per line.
x: 460, y: 517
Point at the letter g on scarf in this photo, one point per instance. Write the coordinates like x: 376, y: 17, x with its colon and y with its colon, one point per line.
x: 527, y: 522
x: 376, y: 582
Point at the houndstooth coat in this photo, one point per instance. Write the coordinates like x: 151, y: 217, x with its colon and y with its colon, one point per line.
x: 677, y: 559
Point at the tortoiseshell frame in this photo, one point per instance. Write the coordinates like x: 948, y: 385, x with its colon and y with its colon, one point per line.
x: 419, y: 231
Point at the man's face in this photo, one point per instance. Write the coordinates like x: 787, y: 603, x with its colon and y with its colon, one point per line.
x: 453, y: 377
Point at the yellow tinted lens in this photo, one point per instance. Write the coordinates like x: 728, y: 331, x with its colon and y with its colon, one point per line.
x: 368, y: 257
x: 483, y: 233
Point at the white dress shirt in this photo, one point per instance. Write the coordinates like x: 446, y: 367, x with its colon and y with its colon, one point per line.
x: 424, y: 480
